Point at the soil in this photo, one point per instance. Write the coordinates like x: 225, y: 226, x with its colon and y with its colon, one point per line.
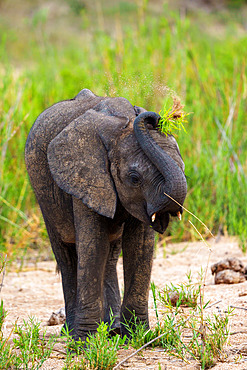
x: 37, y: 291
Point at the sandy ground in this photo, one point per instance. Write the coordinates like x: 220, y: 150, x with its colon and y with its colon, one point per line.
x: 38, y: 292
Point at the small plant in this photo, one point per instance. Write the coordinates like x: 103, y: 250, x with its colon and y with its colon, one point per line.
x: 209, y: 337
x: 184, y: 294
x: 99, y: 351
x: 7, y: 357
x: 208, y: 334
x: 33, y: 348
x: 140, y: 335
x: 73, y: 350
x: 172, y: 118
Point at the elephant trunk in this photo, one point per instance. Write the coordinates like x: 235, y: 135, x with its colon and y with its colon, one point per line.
x: 175, y: 181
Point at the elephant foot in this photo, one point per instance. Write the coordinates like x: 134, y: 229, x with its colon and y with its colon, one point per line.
x: 81, y: 335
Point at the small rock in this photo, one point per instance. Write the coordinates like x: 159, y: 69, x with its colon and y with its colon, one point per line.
x: 174, y: 297
x: 231, y: 263
x: 57, y: 318
x: 229, y: 277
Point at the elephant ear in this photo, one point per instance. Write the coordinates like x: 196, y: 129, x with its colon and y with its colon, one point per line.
x: 78, y: 162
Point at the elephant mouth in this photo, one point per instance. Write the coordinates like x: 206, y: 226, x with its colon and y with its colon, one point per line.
x: 160, y: 220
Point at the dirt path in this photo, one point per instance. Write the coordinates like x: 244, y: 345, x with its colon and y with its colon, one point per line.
x: 38, y: 292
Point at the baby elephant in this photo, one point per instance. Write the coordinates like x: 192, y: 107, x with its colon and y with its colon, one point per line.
x: 101, y: 170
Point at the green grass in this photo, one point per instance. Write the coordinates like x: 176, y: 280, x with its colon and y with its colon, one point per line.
x: 184, y: 329
x: 185, y: 294
x: 136, y: 59
x: 185, y: 332
x: 30, y: 348
x: 98, y: 352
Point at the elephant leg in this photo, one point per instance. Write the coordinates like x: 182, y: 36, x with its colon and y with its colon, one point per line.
x: 138, y: 245
x: 112, y: 300
x: 93, y: 246
x: 66, y: 257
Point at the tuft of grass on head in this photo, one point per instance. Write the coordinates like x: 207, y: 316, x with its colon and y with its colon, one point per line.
x: 172, y: 119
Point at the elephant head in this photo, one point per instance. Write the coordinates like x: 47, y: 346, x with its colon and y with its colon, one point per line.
x: 148, y: 171
x: 104, y: 155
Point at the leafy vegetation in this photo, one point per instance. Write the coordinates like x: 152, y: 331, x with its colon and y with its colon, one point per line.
x: 29, y: 350
x: 184, y: 294
x: 138, y: 60
x: 185, y: 333
x: 32, y: 347
x: 98, y: 352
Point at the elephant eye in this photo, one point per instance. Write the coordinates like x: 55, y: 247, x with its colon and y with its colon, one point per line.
x: 135, y: 178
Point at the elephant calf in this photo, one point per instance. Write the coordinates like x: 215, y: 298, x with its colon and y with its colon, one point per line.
x: 99, y: 168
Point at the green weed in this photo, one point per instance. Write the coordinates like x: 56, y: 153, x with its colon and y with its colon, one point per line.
x: 29, y: 350
x: 208, y: 333
x: 33, y: 348
x: 73, y: 350
x: 184, y: 294
x: 186, y: 335
x: 7, y: 358
x: 208, y: 338
x: 99, y: 351
x: 184, y: 330
x: 140, y: 335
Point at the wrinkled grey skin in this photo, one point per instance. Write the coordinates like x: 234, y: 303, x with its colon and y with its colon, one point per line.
x: 98, y: 182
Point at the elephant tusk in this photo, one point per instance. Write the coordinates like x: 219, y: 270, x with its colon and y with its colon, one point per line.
x: 153, y: 217
x: 179, y: 216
